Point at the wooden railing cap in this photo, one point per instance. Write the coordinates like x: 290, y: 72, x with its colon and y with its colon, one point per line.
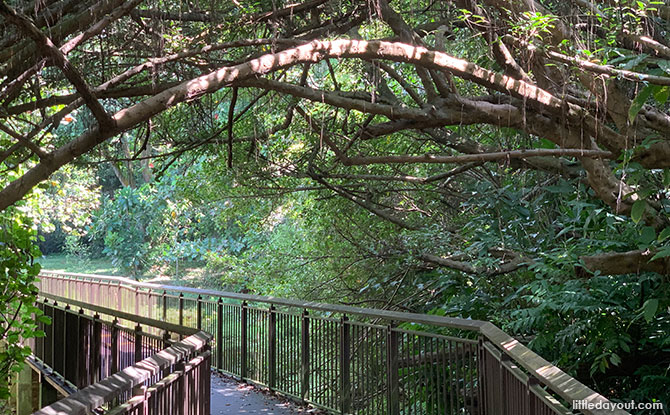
x: 96, y: 395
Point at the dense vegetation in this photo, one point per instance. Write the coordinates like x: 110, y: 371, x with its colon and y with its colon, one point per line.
x: 496, y: 160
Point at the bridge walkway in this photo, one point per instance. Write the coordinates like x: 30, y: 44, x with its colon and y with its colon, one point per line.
x: 340, y: 359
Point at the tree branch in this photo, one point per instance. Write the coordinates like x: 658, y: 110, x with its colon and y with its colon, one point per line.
x: 617, y: 263
x: 49, y: 49
x: 480, y: 157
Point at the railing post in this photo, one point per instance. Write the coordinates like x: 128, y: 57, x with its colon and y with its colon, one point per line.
x: 164, y: 296
x: 166, y: 339
x: 219, y: 334
x: 345, y: 366
x: 243, y: 340
x: 529, y: 404
x: 119, y: 297
x: 206, y: 382
x: 392, y: 371
x: 272, y: 347
x: 181, y: 389
x: 199, y: 313
x: 137, y: 301
x: 166, y: 344
x: 504, y: 399
x: 72, y: 346
x: 115, y: 345
x: 141, y: 390
x: 107, y: 294
x: 181, y: 309
x: 481, y: 382
x: 138, y: 343
x: 304, y: 354
x: 147, y: 303
x: 84, y: 358
x: 58, y: 341
x: 96, y: 341
x: 49, y: 338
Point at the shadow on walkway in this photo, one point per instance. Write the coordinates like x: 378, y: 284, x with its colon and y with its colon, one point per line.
x: 232, y: 397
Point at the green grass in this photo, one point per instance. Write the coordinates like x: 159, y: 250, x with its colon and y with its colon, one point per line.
x: 63, y: 263
x: 190, y: 274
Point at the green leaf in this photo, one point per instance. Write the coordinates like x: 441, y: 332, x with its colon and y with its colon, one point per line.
x: 44, y: 319
x: 664, y: 235
x: 648, y: 235
x: 666, y: 177
x: 635, y: 61
x: 663, y: 253
x: 649, y: 309
x: 615, y: 359
x: 665, y: 65
x: 662, y: 94
x: 639, y: 101
x: 638, y: 210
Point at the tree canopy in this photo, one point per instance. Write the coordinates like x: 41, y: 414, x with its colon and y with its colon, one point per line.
x: 381, y: 92
x: 503, y: 160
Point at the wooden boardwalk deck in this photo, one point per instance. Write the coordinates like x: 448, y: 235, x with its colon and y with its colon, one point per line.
x: 232, y: 397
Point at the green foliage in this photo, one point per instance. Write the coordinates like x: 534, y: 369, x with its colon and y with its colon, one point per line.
x: 125, y: 224
x: 18, y: 314
x: 76, y: 250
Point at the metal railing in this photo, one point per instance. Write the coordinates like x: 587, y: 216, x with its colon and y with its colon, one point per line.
x: 349, y: 359
x: 117, y: 369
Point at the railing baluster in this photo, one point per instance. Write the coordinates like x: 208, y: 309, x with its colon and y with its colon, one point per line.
x: 96, y: 348
x: 181, y: 309
x: 219, y: 334
x: 198, y: 317
x: 164, y: 296
x: 244, y: 321
x: 57, y: 343
x: 148, y: 303
x: 137, y: 301
x: 179, y: 367
x: 345, y: 366
x: 49, y: 338
x: 304, y: 348
x: 114, y: 333
x: 119, y: 304
x: 71, y: 349
x: 84, y: 357
x: 272, y: 348
x: 504, y: 389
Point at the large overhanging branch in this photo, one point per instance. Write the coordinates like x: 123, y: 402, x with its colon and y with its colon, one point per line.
x: 469, y: 158
x: 509, y: 261
x: 100, y: 92
x: 312, y: 52
x: 618, y: 263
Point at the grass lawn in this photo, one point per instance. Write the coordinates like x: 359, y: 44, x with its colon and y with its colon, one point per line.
x: 190, y: 274
x: 61, y: 262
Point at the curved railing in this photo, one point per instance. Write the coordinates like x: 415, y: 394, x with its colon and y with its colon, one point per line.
x: 350, y: 359
x: 118, y: 369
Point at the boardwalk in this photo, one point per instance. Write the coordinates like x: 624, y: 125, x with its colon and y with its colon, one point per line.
x: 231, y: 397
x: 329, y: 354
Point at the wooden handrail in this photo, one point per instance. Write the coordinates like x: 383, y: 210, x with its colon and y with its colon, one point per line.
x: 440, y: 321
x: 163, y: 325
x: 557, y: 380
